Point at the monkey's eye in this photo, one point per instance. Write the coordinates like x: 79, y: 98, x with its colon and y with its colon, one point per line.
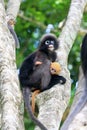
x: 52, y: 42
x: 53, y: 70
x: 47, y: 42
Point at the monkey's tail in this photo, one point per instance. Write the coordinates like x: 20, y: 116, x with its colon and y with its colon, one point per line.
x: 14, y: 35
x: 82, y: 101
x: 26, y: 95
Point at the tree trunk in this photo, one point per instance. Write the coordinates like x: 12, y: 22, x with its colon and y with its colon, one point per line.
x: 10, y: 94
x: 53, y: 102
x: 80, y: 120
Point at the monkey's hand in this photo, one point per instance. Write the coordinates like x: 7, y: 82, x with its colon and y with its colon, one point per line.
x: 62, y: 80
x: 38, y: 63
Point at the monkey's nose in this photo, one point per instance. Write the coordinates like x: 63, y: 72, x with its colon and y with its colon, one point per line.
x: 50, y: 46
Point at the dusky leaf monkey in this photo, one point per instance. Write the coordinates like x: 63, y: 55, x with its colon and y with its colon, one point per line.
x: 35, y: 73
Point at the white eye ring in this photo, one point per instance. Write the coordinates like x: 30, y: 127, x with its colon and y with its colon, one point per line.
x: 52, y: 42
x: 47, y: 42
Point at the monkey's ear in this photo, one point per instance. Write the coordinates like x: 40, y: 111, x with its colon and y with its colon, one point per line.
x: 55, y: 68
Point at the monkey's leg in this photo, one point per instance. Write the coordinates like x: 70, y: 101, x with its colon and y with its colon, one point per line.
x: 36, y: 92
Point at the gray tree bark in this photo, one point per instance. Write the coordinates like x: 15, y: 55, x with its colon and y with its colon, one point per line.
x: 80, y: 120
x: 53, y: 102
x: 12, y: 9
x: 10, y: 94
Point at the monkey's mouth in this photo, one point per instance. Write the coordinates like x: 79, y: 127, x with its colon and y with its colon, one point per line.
x: 51, y: 48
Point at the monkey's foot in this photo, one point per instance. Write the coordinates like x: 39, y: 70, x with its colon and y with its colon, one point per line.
x: 36, y: 92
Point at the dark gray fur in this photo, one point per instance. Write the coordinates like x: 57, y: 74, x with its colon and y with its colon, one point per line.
x: 39, y: 76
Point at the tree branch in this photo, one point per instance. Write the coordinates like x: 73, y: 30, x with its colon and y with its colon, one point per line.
x: 39, y: 24
x: 80, y: 120
x: 53, y: 102
x: 10, y: 94
x: 70, y: 31
x: 12, y: 9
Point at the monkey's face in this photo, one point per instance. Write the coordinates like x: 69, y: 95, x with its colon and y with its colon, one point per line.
x: 50, y: 45
x: 53, y: 71
x: 55, y: 68
x: 49, y: 42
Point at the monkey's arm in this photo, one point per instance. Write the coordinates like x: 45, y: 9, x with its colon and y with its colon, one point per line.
x: 55, y: 79
x: 54, y: 57
x: 26, y: 70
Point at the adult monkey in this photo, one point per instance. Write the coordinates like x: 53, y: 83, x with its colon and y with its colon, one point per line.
x: 38, y: 76
x: 83, y: 99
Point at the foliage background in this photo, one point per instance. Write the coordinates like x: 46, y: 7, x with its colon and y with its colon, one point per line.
x: 31, y: 24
